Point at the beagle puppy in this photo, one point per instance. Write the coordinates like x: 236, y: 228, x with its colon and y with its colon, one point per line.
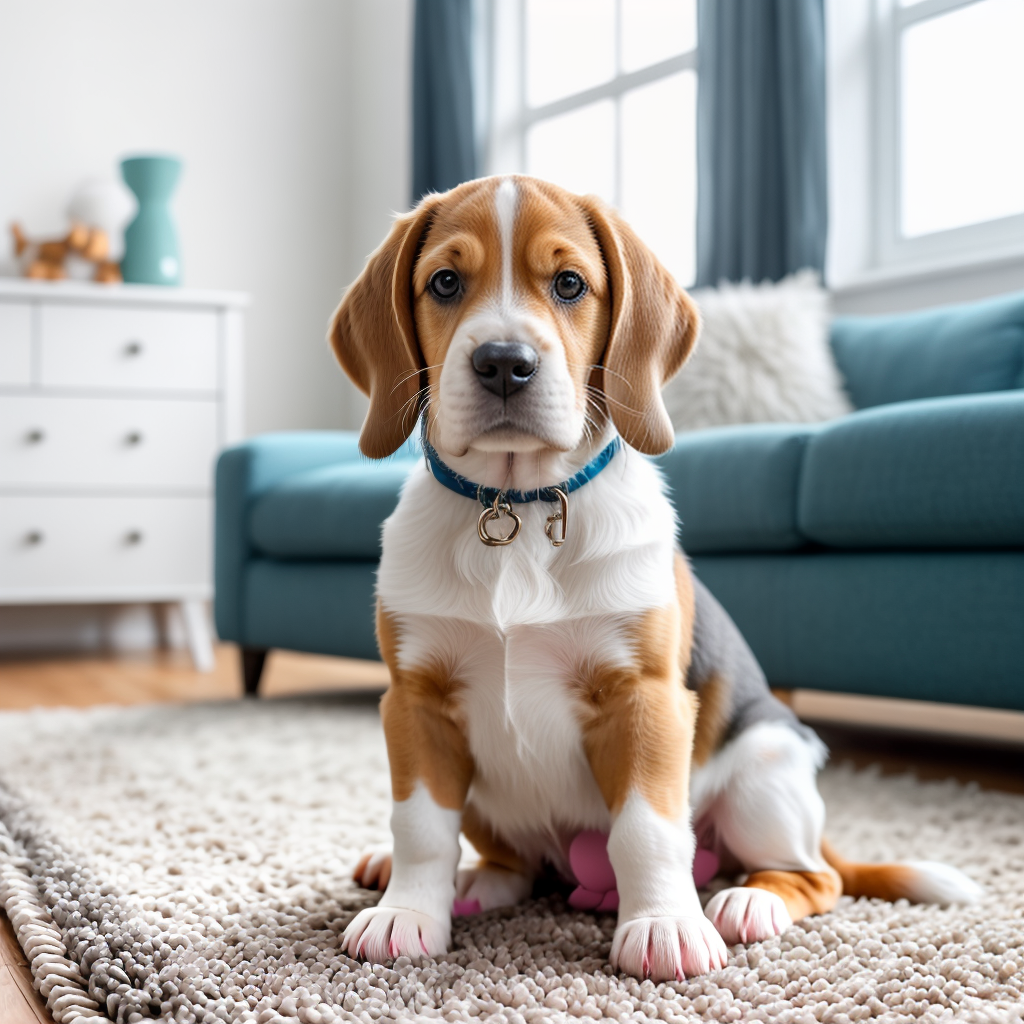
x: 555, y: 666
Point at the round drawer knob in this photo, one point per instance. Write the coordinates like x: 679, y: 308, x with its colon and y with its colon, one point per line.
x: 133, y: 537
x: 35, y: 436
x: 135, y: 437
x: 133, y: 348
x: 34, y: 537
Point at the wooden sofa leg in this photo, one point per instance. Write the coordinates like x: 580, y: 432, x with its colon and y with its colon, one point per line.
x: 253, y: 660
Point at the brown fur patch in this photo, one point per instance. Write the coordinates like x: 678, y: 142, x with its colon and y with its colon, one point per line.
x: 653, y: 329
x: 491, y: 847
x: 714, y: 694
x: 375, y: 878
x: 638, y: 721
x: 803, y: 892
x: 687, y: 610
x: 374, y: 338
x: 881, y: 881
x: 425, y: 740
x: 712, y: 718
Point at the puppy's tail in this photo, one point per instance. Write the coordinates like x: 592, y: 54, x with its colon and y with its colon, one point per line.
x: 920, y: 881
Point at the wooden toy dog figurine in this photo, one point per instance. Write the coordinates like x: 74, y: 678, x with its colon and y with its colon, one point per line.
x: 44, y: 261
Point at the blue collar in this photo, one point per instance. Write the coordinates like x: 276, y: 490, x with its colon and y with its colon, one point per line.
x: 485, y: 495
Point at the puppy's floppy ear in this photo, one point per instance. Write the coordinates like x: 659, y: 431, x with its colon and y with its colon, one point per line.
x: 373, y: 334
x: 652, y: 330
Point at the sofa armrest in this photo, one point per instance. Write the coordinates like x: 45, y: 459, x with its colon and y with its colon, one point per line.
x: 244, y: 472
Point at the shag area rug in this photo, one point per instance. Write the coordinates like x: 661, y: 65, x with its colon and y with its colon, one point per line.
x: 191, y: 864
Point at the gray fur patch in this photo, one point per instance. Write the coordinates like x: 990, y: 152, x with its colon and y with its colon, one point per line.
x: 720, y: 650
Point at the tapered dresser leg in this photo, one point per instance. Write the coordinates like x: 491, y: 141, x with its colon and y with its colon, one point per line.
x: 253, y: 660
x: 197, y: 632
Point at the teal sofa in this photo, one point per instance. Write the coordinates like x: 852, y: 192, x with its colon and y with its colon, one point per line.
x: 878, y: 554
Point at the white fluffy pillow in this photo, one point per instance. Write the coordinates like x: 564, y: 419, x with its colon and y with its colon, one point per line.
x: 762, y: 357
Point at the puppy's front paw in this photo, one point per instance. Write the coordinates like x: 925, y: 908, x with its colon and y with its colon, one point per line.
x: 380, y: 933
x: 747, y: 915
x: 667, y: 948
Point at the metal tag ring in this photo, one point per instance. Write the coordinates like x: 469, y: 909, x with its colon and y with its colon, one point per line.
x: 495, y: 512
x: 561, y: 517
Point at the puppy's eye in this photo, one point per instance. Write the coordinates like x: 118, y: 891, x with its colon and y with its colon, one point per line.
x: 445, y: 285
x: 569, y: 286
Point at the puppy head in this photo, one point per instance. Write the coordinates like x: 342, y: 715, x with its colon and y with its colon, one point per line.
x: 524, y: 314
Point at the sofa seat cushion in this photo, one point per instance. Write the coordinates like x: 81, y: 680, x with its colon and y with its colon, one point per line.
x: 735, y: 488
x: 331, y: 512
x: 945, y: 472
x: 956, y: 350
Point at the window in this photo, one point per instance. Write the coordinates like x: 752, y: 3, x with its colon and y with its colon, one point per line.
x: 951, y: 123
x: 601, y: 96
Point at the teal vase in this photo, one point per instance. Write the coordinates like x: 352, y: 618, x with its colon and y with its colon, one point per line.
x: 151, y: 253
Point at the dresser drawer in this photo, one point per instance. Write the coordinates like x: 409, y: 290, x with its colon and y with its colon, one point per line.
x: 64, y: 548
x: 107, y: 442
x: 140, y: 349
x: 15, y: 343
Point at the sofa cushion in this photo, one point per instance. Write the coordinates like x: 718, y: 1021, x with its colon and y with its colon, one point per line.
x: 956, y: 350
x: 332, y: 512
x: 922, y: 625
x: 945, y: 472
x: 735, y: 488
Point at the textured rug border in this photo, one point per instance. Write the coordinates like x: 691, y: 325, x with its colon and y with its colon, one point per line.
x: 56, y: 976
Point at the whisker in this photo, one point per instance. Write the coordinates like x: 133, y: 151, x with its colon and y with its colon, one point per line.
x: 413, y: 373
x: 605, y: 397
x: 412, y: 401
x: 614, y: 373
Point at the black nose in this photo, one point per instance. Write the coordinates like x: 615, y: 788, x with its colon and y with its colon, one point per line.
x: 505, y: 366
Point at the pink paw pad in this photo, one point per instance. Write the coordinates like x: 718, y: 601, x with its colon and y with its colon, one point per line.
x: 588, y: 858
x: 465, y: 908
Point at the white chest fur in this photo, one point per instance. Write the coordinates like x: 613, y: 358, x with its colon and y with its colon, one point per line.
x: 519, y: 626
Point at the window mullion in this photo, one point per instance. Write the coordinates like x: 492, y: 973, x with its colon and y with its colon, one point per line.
x: 613, y: 87
x: 903, y: 17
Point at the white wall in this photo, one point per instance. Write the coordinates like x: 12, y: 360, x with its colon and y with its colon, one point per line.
x: 293, y: 120
x: 380, y: 127
x: 253, y: 95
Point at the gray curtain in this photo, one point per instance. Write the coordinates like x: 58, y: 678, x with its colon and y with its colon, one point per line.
x: 443, y: 144
x: 761, y: 173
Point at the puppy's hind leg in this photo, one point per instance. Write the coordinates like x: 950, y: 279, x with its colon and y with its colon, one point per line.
x: 374, y: 868
x: 770, y: 816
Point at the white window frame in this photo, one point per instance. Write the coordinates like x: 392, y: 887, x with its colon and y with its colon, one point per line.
x: 993, y: 238
x: 511, y: 116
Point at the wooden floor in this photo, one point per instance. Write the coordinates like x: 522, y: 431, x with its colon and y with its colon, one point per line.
x: 20, y: 1003
x: 169, y: 677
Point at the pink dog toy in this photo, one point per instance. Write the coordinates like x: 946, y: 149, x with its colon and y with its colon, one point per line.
x: 588, y: 858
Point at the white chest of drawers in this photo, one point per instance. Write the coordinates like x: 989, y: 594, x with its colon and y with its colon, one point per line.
x: 114, y: 402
